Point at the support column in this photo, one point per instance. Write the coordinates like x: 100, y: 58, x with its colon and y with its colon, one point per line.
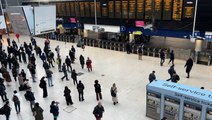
x: 131, y: 37
x: 85, y: 33
x: 198, y: 48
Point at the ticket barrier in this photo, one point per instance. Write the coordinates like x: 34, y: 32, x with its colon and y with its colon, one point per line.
x: 112, y: 45
x: 116, y: 46
x: 177, y: 102
x: 108, y: 45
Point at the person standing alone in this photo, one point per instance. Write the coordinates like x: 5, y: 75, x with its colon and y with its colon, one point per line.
x: 188, y: 65
x: 113, y: 92
x: 16, y: 101
x: 162, y: 57
x: 152, y: 76
x: 67, y: 94
x: 80, y: 88
x: 97, y: 87
x: 37, y: 112
x: 42, y: 85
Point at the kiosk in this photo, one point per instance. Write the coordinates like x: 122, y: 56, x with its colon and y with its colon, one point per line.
x: 177, y: 102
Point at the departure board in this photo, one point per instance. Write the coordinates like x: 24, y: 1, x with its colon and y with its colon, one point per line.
x: 188, y: 9
x: 117, y: 9
x: 87, y: 9
x: 158, y: 9
x: 111, y: 9
x: 104, y: 11
x: 72, y: 8
x: 131, y: 9
x: 92, y: 9
x: 177, y: 10
x: 167, y: 9
x: 140, y: 9
x: 68, y: 10
x: 124, y: 9
x: 77, y: 9
x: 148, y: 9
x: 98, y: 11
x: 82, y: 9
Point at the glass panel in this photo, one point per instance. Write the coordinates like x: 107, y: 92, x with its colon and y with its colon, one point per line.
x: 111, y: 9
x: 167, y: 12
x: 82, y: 9
x: 132, y: 9
x: 140, y: 9
x: 124, y: 9
x: 117, y: 9
x: 87, y: 9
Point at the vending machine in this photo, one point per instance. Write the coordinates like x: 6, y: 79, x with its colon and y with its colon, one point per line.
x: 192, y: 111
x: 209, y: 114
x: 171, y: 108
x: 153, y: 105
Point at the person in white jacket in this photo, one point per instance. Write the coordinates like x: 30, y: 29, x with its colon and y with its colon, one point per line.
x: 113, y: 92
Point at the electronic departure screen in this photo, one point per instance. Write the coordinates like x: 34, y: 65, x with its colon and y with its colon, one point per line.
x: 148, y: 9
x: 158, y: 9
x: 188, y: 9
x: 177, y: 9
x: 167, y: 9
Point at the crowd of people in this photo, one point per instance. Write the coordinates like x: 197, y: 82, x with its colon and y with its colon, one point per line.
x: 18, y: 54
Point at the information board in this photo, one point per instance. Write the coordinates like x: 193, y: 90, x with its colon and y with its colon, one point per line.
x: 177, y: 9
x: 191, y: 111
x: 98, y: 11
x: 92, y: 9
x: 140, y: 9
x: 68, y: 9
x: 118, y: 9
x: 87, y: 9
x: 167, y: 9
x: 82, y: 9
x: 148, y: 9
x: 171, y: 108
x: 158, y: 9
x: 131, y: 8
x: 124, y: 9
x: 111, y: 9
x: 72, y: 8
x: 188, y: 9
x: 209, y: 114
x: 153, y: 105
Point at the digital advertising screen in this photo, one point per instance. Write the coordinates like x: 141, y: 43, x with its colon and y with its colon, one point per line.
x: 192, y: 111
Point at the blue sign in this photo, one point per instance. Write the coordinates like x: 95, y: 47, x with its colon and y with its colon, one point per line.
x: 196, y: 33
x: 122, y: 29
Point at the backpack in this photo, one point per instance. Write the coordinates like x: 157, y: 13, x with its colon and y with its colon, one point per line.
x: 15, y: 98
x: 26, y: 96
x: 113, y: 94
x: 55, y: 49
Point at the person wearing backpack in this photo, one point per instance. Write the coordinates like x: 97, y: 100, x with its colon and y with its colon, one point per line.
x: 113, y: 92
x: 29, y: 96
x: 54, y: 109
x: 42, y: 85
x: 80, y: 88
x: 16, y: 101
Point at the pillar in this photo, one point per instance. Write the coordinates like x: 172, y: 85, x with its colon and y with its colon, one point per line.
x: 85, y: 33
x: 131, y: 37
x: 198, y: 45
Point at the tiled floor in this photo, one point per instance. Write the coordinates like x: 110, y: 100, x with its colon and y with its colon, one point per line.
x: 129, y: 74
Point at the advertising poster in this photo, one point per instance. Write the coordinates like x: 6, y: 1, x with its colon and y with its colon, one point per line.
x: 2, y: 22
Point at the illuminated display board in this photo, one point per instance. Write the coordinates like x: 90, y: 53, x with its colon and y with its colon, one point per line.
x: 167, y: 9
x: 92, y: 9
x: 140, y: 9
x: 131, y: 8
x: 148, y: 9
x: 87, y: 9
x: 158, y: 9
x: 188, y: 9
x: 117, y: 9
x: 82, y: 9
x: 68, y: 10
x: 98, y: 12
x: 104, y: 11
x: 72, y: 8
x: 124, y: 9
x: 111, y: 9
x: 177, y: 9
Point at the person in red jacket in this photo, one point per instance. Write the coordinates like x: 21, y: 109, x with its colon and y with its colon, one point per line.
x: 88, y: 63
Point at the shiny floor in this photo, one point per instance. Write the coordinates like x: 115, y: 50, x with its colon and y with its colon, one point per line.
x: 129, y: 74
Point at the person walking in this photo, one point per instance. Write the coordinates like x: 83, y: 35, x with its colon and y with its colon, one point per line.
x: 49, y: 77
x: 88, y: 63
x: 68, y: 63
x: 57, y: 49
x: 82, y: 61
x: 98, y: 111
x: 32, y: 70
x: 64, y: 71
x: 74, y: 76
x: 16, y: 101
x: 67, y: 94
x: 162, y: 57
x: 37, y: 112
x: 2, y: 91
x: 171, y: 56
x: 113, y: 92
x: 59, y: 63
x: 7, y: 109
x: 43, y: 86
x: 189, y: 65
x: 80, y: 88
x: 171, y: 71
x: 97, y: 87
x: 54, y: 109
x: 29, y: 96
x: 152, y: 76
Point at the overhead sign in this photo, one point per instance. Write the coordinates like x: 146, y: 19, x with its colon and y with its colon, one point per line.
x: 2, y: 22
x: 208, y: 36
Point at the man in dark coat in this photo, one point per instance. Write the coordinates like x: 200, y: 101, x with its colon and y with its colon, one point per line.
x: 29, y: 96
x: 98, y: 111
x: 171, y: 56
x: 37, y: 112
x: 74, y: 76
x: 97, y: 87
x: 162, y: 57
x: 68, y: 63
x: 152, y: 76
x: 175, y: 77
x: 42, y: 85
x: 64, y: 71
x: 3, y: 92
x: 171, y: 72
x: 188, y: 65
x: 82, y: 61
x: 80, y: 88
